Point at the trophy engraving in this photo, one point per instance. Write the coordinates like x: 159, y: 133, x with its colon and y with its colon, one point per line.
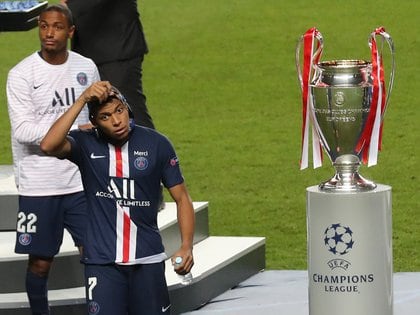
x: 345, y: 100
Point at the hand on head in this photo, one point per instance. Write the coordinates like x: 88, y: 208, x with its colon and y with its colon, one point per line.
x: 99, y: 90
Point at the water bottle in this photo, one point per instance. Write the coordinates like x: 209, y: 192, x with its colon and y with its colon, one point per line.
x: 187, y: 278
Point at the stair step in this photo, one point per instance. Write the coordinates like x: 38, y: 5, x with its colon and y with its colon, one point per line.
x: 13, y: 266
x: 8, y: 199
x: 220, y: 263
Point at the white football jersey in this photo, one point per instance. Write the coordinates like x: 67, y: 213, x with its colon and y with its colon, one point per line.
x: 37, y: 94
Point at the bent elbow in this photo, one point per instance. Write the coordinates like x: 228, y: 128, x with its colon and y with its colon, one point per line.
x: 52, y: 148
x: 46, y: 148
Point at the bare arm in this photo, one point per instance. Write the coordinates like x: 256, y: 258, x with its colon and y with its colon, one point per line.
x: 55, y: 142
x: 186, y: 222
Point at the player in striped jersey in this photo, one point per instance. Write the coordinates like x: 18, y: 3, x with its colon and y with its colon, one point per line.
x: 40, y: 89
x: 122, y: 165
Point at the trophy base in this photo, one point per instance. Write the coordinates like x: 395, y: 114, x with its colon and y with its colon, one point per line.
x: 349, y: 236
x: 338, y: 183
x: 347, y: 177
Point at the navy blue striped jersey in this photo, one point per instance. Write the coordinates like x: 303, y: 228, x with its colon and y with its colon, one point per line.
x: 122, y: 187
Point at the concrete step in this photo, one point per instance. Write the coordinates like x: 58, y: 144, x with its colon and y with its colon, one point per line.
x: 8, y: 199
x: 220, y: 264
x: 13, y: 266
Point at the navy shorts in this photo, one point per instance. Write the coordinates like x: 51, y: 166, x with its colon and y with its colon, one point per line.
x: 41, y: 222
x: 131, y: 290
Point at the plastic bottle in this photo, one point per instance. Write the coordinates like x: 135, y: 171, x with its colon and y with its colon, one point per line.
x: 187, y: 278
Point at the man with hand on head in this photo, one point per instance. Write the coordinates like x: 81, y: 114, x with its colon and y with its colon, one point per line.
x: 39, y: 90
x: 122, y: 166
x: 111, y: 34
x: 117, y: 25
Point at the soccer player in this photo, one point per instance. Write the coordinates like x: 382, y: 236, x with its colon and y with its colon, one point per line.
x: 122, y: 166
x: 40, y: 89
x: 101, y: 22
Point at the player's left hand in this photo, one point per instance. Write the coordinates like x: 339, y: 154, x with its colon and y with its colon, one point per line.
x: 187, y: 261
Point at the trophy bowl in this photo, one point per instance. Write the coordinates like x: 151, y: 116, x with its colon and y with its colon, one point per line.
x: 341, y: 98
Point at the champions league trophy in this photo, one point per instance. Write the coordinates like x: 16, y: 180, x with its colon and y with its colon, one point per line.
x: 348, y: 217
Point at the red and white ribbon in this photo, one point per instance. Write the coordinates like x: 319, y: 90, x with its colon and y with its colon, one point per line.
x: 311, y: 56
x: 371, y: 139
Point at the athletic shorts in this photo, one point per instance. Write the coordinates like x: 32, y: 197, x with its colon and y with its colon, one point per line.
x: 41, y: 222
x: 132, y: 290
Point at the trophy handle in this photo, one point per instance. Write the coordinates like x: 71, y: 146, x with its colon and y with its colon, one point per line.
x: 314, y: 58
x: 370, y: 141
x: 386, y: 37
x: 310, y: 39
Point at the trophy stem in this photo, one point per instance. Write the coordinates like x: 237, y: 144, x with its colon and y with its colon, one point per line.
x: 347, y: 177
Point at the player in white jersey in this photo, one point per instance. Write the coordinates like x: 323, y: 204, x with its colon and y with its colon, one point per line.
x: 39, y: 90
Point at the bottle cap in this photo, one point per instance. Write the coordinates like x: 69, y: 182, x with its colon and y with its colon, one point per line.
x: 178, y: 260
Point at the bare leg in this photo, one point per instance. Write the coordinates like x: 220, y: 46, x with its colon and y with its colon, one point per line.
x: 36, y: 283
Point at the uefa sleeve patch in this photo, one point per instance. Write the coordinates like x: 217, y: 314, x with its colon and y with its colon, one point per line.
x: 174, y: 161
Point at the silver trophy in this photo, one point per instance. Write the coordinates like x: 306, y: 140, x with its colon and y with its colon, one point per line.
x: 340, y: 98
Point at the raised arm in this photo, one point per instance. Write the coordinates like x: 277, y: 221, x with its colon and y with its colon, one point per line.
x: 186, y: 222
x: 55, y: 142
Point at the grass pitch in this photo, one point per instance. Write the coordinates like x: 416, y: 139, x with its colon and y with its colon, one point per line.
x: 221, y: 84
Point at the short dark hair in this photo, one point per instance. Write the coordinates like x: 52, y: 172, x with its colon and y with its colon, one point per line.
x: 94, y: 105
x: 61, y: 9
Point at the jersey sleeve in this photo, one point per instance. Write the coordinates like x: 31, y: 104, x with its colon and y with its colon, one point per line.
x: 75, y: 152
x: 96, y: 76
x: 25, y: 127
x: 171, y: 171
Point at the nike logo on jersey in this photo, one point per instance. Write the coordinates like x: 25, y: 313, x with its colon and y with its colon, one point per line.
x: 93, y: 156
x: 164, y: 309
x: 37, y: 86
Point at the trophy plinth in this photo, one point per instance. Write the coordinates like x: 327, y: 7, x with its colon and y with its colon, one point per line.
x: 350, y: 252
x: 347, y: 177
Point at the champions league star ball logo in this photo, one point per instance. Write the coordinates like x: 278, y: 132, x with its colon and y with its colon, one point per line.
x: 338, y: 239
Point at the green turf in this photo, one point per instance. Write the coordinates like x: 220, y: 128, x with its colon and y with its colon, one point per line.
x: 221, y: 83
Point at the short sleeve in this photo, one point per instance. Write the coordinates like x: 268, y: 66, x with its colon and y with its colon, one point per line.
x: 171, y: 171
